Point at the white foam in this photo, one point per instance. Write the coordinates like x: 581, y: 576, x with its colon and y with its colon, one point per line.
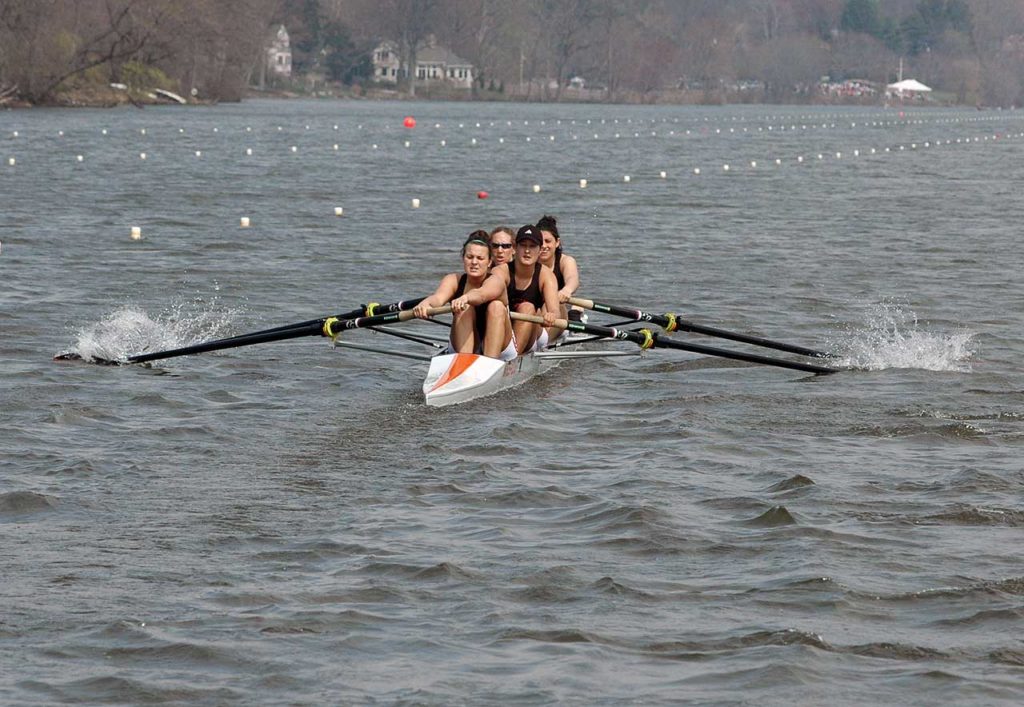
x: 892, y: 337
x: 128, y: 331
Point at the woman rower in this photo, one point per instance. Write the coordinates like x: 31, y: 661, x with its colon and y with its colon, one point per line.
x: 480, y: 321
x: 564, y: 266
x: 531, y: 289
x: 501, y: 245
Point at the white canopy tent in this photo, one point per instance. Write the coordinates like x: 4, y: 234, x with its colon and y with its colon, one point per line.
x: 908, y: 86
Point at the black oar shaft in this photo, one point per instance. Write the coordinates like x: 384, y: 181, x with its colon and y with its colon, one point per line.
x: 647, y: 339
x: 334, y: 326
x: 312, y: 327
x: 671, y: 322
x: 364, y: 310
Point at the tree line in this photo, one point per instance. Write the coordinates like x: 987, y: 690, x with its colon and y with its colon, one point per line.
x: 632, y: 50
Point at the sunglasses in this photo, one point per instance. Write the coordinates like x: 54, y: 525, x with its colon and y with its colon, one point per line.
x: 503, y: 246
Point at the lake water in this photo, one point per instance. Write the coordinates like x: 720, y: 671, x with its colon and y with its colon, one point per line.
x: 289, y: 524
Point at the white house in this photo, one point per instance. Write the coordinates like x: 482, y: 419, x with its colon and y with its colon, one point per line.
x: 386, y: 62
x: 279, y: 54
x: 434, y: 65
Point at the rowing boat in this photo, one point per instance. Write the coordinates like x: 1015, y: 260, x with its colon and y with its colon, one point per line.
x: 454, y: 378
x: 461, y: 377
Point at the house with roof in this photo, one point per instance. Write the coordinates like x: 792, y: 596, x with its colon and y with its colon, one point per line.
x: 278, y: 62
x: 435, y: 65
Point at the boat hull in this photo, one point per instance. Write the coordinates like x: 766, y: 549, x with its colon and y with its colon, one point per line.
x: 459, y: 378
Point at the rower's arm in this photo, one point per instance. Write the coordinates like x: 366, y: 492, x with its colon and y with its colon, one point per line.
x: 492, y: 289
x: 442, y: 295
x: 549, y: 288
x: 571, y: 274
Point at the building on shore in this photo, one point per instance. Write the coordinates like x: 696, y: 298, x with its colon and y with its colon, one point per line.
x: 278, y: 64
x: 435, y: 65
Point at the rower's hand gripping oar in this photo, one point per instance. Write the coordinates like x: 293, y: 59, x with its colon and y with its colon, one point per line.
x: 647, y: 339
x: 670, y: 322
x: 312, y: 327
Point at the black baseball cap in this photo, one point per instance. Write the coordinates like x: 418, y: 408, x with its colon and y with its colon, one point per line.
x: 529, y: 234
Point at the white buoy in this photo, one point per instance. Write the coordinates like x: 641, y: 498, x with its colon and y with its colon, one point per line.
x: 339, y: 211
x: 295, y: 148
x: 142, y: 155
x: 696, y: 170
x: 725, y: 168
x: 839, y: 155
x: 443, y: 143
x: 536, y: 188
x: 501, y: 140
x: 244, y: 222
x: 248, y: 128
x: 374, y: 146
x: 248, y: 151
x: 800, y: 158
x: 408, y: 144
x: 335, y: 147
x: 104, y: 131
x: 136, y: 233
x: 142, y: 131
x: 80, y: 158
x: 335, y: 127
x: 199, y: 153
x: 415, y: 203
x: 473, y: 141
x: 663, y: 174
x: 753, y: 163
x: 583, y: 184
x: 11, y: 161
x: 60, y: 133
x: 626, y: 178
x: 528, y: 139
x: 15, y: 133
x: 778, y: 161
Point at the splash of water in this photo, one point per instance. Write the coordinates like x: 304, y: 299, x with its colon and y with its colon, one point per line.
x: 892, y: 337
x: 127, y: 331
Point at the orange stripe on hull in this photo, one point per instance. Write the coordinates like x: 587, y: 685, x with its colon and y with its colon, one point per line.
x: 459, y: 365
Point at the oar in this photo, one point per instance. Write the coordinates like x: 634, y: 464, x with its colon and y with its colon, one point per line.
x: 311, y: 327
x: 670, y: 322
x: 648, y: 339
x: 333, y: 326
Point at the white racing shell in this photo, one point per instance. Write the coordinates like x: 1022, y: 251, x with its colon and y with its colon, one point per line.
x: 458, y: 378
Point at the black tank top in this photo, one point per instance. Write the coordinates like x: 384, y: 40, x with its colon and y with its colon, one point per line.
x: 532, y: 292
x: 558, y: 269
x: 481, y: 310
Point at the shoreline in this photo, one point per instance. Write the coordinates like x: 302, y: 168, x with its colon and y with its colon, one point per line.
x: 114, y: 98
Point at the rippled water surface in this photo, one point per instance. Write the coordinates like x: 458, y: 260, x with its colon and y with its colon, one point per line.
x: 289, y: 524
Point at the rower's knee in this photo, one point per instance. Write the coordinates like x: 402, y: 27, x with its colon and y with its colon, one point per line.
x: 496, y: 308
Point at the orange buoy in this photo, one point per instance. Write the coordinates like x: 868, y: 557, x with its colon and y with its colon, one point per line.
x: 409, y: 122
x: 482, y: 195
